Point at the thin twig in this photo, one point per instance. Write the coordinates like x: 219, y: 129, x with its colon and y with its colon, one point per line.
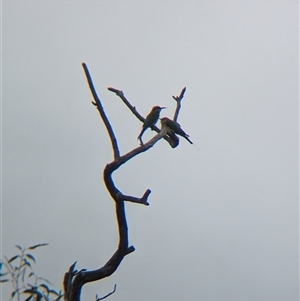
x: 99, y: 106
x: 143, y: 200
x: 127, y: 103
x: 178, y: 101
x: 98, y: 299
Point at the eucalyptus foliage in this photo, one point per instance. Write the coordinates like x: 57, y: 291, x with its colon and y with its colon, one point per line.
x: 26, y: 285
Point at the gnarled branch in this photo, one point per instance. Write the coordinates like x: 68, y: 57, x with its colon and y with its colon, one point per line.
x: 73, y: 279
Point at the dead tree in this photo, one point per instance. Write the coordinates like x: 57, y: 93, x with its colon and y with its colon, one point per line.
x: 73, y: 279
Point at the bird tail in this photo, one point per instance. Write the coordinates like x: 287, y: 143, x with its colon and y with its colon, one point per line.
x: 191, y: 142
x: 187, y: 138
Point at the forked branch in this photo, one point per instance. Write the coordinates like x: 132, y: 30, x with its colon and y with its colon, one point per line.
x: 178, y: 100
x: 170, y: 137
x: 74, y: 280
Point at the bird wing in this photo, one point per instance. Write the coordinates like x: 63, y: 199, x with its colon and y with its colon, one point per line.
x: 176, y: 128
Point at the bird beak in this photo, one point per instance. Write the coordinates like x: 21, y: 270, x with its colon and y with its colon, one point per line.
x: 163, y: 108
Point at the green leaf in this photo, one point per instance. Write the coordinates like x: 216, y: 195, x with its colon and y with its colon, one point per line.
x: 53, y: 292
x: 36, y: 246
x: 59, y: 297
x: 13, y: 258
x: 30, y: 257
x: 39, y: 296
x: 19, y: 247
x: 28, y: 298
x: 29, y: 291
x: 27, y: 262
x: 13, y: 293
x: 45, y: 287
x: 3, y: 280
x: 9, y: 266
x: 3, y: 274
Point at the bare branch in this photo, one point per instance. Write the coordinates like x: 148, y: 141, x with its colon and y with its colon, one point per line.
x: 142, y: 200
x: 127, y: 103
x: 74, y: 280
x: 172, y: 139
x: 68, y: 281
x: 98, y: 299
x: 99, y: 106
x: 115, y: 193
x: 178, y: 100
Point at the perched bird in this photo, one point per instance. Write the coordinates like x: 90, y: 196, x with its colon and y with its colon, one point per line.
x: 150, y: 120
x: 175, y: 127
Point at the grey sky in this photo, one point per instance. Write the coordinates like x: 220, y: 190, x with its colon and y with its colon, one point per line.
x: 223, y: 221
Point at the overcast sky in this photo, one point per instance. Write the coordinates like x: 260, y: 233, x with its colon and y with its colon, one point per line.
x: 223, y: 220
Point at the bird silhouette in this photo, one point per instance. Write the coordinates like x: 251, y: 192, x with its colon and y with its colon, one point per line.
x: 150, y: 120
x: 176, y: 128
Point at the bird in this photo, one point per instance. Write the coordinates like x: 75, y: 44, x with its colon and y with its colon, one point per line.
x: 175, y: 127
x: 150, y: 120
